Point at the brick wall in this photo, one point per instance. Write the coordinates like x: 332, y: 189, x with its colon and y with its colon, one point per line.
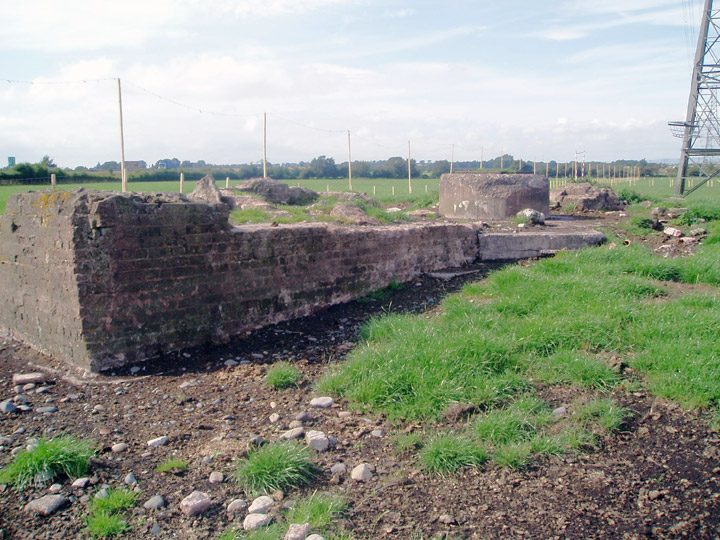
x: 105, y: 279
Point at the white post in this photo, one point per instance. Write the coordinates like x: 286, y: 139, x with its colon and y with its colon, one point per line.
x: 123, y: 172
x: 227, y: 182
x: 182, y: 181
x: 349, y: 164
x: 482, y: 151
x: 409, y: 172
x: 264, y: 145
x: 52, y: 180
x: 452, y: 159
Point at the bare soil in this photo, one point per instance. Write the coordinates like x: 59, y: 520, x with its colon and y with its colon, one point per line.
x: 659, y: 478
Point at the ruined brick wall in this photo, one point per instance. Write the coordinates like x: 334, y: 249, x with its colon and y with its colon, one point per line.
x: 105, y: 279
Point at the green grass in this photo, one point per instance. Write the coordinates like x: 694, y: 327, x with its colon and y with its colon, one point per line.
x: 116, y: 501
x: 105, y: 524
x: 172, y: 465
x: 107, y: 516
x: 319, y: 510
x: 448, y: 453
x: 250, y: 215
x: 276, y: 466
x: 603, y: 412
x: 283, y: 375
x: 59, y: 456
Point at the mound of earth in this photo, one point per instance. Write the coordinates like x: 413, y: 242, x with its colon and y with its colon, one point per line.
x: 353, y: 213
x: 278, y: 193
x: 584, y: 197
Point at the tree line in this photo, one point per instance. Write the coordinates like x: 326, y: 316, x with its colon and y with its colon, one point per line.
x: 320, y: 167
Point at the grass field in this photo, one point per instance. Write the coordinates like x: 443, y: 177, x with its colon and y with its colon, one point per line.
x: 382, y: 188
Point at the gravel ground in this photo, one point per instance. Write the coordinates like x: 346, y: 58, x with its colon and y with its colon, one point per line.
x: 659, y: 478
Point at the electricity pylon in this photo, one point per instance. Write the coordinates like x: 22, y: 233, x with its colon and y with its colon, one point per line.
x: 701, y: 130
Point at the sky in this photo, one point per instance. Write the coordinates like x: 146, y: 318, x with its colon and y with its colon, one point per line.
x: 461, y: 79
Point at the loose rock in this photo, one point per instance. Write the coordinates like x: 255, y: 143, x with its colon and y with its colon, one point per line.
x: 236, y: 505
x: 27, y: 378
x: 216, y: 477
x: 154, y: 503
x: 160, y: 441
x: 255, y: 521
x: 261, y: 505
x: 8, y: 407
x: 361, y: 473
x: 80, y: 483
x: 322, y: 402
x: 294, y: 433
x: 317, y: 440
x: 130, y: 479
x: 46, y: 505
x: 119, y: 447
x: 297, y: 531
x: 195, y: 503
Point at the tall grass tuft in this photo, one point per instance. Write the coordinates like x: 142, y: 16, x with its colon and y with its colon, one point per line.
x: 276, y: 466
x: 64, y: 455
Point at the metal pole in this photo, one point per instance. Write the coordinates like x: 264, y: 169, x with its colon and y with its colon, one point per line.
x: 123, y: 172
x: 693, y: 99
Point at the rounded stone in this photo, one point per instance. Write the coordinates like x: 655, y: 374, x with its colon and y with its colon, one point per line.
x: 322, y: 402
x: 261, y: 505
x: 255, y: 521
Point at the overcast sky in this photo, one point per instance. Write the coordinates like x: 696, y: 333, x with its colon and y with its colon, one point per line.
x: 536, y: 79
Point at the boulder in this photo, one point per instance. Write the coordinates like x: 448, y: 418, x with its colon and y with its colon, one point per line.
x: 353, y: 213
x: 278, y: 193
x: 206, y: 190
x: 351, y: 196
x: 493, y: 196
x: 531, y: 216
x: 583, y: 196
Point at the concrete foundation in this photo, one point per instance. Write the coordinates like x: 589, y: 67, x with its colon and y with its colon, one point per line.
x: 103, y: 279
x: 492, y: 197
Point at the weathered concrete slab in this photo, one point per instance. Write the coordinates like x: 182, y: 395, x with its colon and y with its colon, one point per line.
x: 492, y: 196
x: 527, y: 245
x: 103, y: 279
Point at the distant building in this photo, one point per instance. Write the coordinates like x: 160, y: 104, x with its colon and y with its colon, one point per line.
x: 135, y: 165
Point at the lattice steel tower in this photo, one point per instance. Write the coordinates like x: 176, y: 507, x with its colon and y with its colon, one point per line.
x: 700, y: 131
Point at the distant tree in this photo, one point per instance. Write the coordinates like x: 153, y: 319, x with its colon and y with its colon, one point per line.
x: 47, y: 162
x: 323, y: 167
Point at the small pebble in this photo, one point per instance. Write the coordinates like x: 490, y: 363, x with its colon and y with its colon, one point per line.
x: 274, y: 417
x: 317, y: 440
x: 361, y: 473
x: 154, y: 503
x: 130, y: 479
x: 46, y: 505
x: 216, y: 477
x: 119, y: 447
x: 338, y: 468
x: 159, y: 441
x: 81, y: 482
x: 55, y: 488
x: 293, y: 434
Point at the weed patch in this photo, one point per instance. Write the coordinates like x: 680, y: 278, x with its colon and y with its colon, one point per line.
x: 173, y: 465
x: 283, y: 375
x: 59, y: 456
x: 447, y: 453
x: 276, y: 466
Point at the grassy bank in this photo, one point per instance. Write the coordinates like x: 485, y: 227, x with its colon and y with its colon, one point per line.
x: 603, y: 319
